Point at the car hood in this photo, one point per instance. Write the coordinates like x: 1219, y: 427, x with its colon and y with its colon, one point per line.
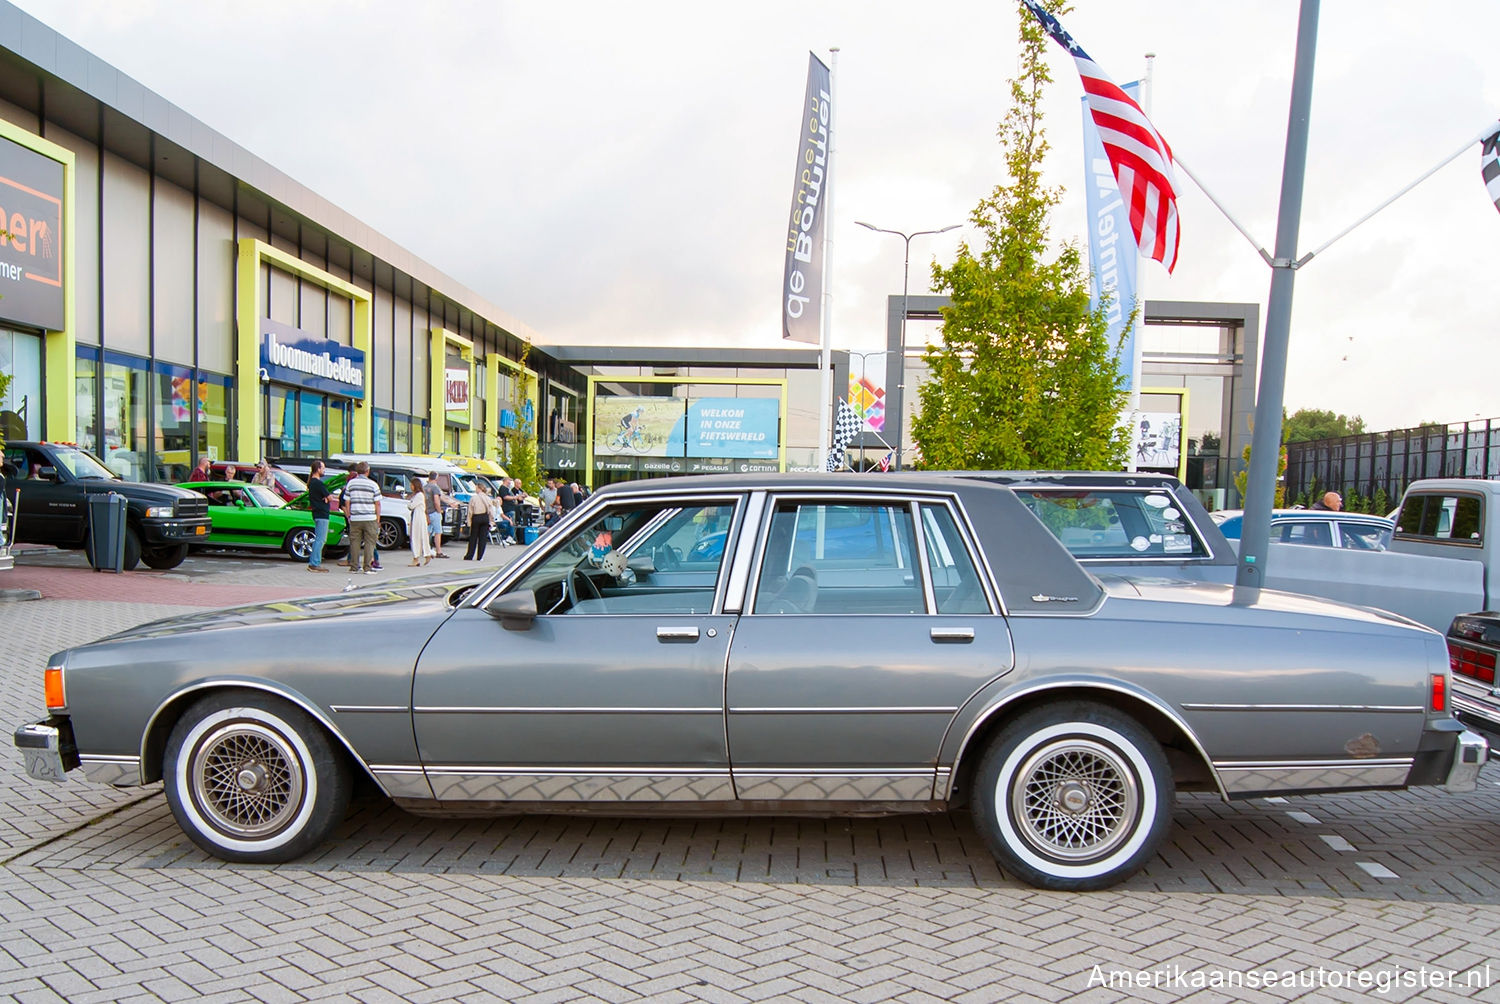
x: 138, y: 490
x: 421, y: 597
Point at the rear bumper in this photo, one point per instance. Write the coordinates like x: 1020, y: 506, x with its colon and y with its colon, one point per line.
x: 1450, y: 755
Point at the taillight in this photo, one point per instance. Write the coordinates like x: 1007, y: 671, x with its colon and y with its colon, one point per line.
x: 1439, y: 692
x: 1474, y: 663
x: 52, y: 688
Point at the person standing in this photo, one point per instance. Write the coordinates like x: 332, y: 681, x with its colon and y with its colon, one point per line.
x: 1330, y: 502
x: 318, y: 494
x: 204, y: 471
x: 436, y: 498
x: 263, y: 475
x: 567, y: 496
x: 362, y: 510
x: 548, y: 500
x: 421, y: 543
x: 481, y: 506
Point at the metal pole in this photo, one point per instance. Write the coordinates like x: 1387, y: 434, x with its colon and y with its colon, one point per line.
x: 825, y: 357
x: 1265, y: 442
x: 901, y: 385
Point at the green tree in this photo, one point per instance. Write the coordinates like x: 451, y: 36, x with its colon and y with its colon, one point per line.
x: 1025, y: 376
x: 1243, y: 477
x: 521, y: 458
x: 1306, y: 424
x: 4, y: 387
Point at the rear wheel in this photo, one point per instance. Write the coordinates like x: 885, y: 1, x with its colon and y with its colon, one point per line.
x: 250, y: 777
x: 299, y: 543
x: 1073, y: 796
x: 391, y: 534
x: 166, y: 556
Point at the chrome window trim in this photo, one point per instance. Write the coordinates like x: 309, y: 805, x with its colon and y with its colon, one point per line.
x: 745, y: 530
x: 976, y: 556
x: 920, y: 559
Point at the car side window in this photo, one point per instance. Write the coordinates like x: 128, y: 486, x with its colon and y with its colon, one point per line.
x: 645, y: 558
x: 1361, y: 537
x: 1318, y: 534
x: 1107, y: 523
x: 839, y: 559
x: 955, y: 581
x: 1454, y: 517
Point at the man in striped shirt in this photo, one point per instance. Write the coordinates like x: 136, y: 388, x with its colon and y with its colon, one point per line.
x: 362, y: 510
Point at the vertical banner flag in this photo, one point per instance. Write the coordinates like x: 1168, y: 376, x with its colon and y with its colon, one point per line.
x: 1112, y: 261
x: 1140, y: 158
x: 1489, y: 165
x: 802, y: 286
x: 845, y: 427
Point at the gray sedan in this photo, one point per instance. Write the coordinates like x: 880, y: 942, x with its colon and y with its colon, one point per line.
x: 771, y: 644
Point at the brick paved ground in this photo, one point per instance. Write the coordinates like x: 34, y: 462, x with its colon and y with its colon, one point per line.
x: 103, y: 898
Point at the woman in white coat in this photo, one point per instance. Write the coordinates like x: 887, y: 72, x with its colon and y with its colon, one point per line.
x: 421, y: 543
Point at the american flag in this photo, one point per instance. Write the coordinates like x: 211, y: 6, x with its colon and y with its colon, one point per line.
x: 1141, y: 159
x: 1489, y: 165
x: 885, y: 461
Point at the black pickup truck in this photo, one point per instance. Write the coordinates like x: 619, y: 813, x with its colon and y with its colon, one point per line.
x: 47, y: 486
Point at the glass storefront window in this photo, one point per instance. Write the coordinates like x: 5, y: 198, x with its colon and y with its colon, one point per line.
x: 173, y: 400
x: 338, y: 423
x: 85, y: 386
x: 126, y: 399
x: 310, y: 424
x: 21, y: 407
x: 382, y: 432
x: 213, y: 415
x: 402, y: 429
x: 280, y: 401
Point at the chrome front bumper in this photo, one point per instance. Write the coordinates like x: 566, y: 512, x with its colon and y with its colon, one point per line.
x: 1469, y: 754
x: 48, y: 757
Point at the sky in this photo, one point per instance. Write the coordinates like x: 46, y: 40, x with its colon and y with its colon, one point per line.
x: 608, y: 172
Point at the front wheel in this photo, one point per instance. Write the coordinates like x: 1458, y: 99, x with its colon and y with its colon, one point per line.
x: 252, y: 778
x: 1073, y: 796
x: 166, y: 556
x: 299, y: 543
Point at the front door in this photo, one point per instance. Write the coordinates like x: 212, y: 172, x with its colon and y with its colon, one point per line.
x: 49, y: 509
x: 614, y: 693
x: 868, y: 629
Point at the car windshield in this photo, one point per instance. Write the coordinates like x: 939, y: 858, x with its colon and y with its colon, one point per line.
x: 82, y: 464
x: 289, y: 482
x: 265, y: 497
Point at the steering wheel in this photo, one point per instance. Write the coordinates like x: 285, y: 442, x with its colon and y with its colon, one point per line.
x: 582, y: 587
x: 666, y: 557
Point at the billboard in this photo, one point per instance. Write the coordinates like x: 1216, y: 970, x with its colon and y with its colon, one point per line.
x: 31, y: 237
x: 636, y: 426
x: 732, y: 428
x: 718, y: 429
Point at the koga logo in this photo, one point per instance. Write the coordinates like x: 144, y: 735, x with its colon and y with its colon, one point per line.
x: 321, y: 364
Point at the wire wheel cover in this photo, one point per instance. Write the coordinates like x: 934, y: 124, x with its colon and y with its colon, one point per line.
x: 247, y: 780
x: 1075, y: 799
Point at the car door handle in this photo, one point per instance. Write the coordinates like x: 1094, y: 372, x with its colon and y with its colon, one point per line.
x: 952, y: 634
x: 676, y: 634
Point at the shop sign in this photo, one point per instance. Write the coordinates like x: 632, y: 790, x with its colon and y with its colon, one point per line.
x: 757, y: 467
x: 660, y: 466
x: 559, y: 457
x: 456, y: 394
x: 614, y: 463
x: 709, y: 467
x: 291, y: 355
x: 733, y: 427
x: 31, y: 245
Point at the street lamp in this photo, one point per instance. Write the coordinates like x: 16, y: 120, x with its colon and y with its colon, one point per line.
x: 905, y: 278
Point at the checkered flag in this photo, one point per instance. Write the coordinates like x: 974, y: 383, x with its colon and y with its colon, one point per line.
x: 1489, y: 163
x: 845, y: 427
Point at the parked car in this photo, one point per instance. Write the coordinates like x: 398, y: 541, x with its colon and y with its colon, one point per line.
x: 47, y: 490
x: 287, y: 484
x: 254, y: 516
x: 1356, y: 531
x: 901, y: 644
x: 392, y: 472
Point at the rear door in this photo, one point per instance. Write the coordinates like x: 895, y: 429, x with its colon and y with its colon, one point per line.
x: 868, y: 626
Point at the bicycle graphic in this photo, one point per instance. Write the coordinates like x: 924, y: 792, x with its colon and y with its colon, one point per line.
x: 632, y: 439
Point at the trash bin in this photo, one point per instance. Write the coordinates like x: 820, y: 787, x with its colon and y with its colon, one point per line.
x: 107, y: 531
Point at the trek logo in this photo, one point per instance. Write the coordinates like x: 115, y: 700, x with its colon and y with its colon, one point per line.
x: 31, y: 246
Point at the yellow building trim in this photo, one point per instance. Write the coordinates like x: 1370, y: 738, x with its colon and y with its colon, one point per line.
x: 1182, y: 423
x: 594, y: 380
x: 59, y: 347
x: 252, y: 254
x: 531, y: 382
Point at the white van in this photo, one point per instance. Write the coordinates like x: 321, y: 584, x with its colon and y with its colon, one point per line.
x: 392, y: 472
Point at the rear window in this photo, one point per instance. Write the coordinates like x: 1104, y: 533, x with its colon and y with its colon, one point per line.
x: 1116, y: 523
x: 1442, y: 516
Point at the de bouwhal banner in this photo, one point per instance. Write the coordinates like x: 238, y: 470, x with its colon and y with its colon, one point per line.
x: 1112, y: 249
x: 802, y: 287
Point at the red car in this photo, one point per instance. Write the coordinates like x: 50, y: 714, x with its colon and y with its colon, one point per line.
x: 285, y: 483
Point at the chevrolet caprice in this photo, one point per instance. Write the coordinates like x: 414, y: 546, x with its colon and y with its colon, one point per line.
x: 841, y: 645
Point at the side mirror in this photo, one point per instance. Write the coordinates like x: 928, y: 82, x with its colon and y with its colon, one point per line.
x: 515, y: 611
x: 47, y: 473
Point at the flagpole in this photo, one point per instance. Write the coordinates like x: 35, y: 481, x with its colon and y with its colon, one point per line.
x: 1265, y: 438
x: 1138, y: 323
x: 825, y: 360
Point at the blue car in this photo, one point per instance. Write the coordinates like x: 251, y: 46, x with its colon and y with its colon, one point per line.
x: 1356, y: 531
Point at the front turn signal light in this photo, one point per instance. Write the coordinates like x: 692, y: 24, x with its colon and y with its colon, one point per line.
x: 52, y: 688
